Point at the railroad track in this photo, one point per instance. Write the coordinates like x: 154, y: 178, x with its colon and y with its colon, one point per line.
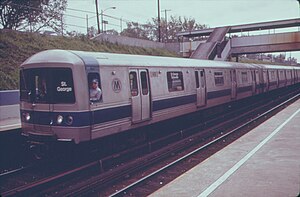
x: 134, y: 189
x: 101, y: 173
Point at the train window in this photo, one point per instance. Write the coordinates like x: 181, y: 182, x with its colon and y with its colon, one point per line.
x: 47, y: 85
x: 133, y: 83
x: 197, y: 79
x: 272, y: 75
x: 202, y: 77
x: 244, y: 77
x: 41, y: 89
x: 63, y: 87
x: 282, y: 74
x: 175, y: 81
x: 25, y: 86
x: 95, y: 90
x: 219, y: 78
x: 144, y: 82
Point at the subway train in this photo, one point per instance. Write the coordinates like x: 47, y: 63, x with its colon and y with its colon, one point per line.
x: 136, y: 90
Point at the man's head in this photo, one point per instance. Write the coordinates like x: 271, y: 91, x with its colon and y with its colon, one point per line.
x: 94, y: 83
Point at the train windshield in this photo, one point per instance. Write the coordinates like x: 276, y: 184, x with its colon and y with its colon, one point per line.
x: 47, y: 85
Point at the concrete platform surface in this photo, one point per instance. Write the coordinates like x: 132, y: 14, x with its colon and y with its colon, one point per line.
x: 264, y: 162
x: 10, y: 117
x: 9, y: 124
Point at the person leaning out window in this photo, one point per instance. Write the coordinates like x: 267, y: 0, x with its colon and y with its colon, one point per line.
x: 95, y: 91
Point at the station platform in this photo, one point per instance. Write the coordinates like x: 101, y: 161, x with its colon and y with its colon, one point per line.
x: 10, y: 124
x: 264, y: 162
x: 9, y: 118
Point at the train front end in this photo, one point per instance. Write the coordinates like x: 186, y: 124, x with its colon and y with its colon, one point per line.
x: 53, y: 103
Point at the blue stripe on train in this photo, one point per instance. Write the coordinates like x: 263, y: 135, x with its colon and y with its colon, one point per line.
x: 244, y: 89
x: 105, y: 115
x: 173, y: 102
x: 217, y: 94
x: 109, y: 114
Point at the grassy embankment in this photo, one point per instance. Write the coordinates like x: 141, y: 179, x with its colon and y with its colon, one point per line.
x: 16, y: 47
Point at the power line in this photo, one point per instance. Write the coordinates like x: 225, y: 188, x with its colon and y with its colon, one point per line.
x: 78, y: 10
x: 75, y: 25
x: 122, y: 20
x: 75, y: 16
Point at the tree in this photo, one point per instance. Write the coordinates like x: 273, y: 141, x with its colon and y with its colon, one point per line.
x: 136, y: 30
x: 179, y: 24
x: 32, y: 15
x: 13, y: 12
x: 149, y: 31
x: 92, y: 31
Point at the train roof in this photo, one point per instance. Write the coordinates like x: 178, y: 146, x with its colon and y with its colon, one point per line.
x: 114, y: 59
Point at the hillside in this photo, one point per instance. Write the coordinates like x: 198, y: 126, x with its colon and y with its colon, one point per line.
x: 16, y: 47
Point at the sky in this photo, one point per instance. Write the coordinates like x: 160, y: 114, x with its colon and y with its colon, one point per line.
x: 213, y: 13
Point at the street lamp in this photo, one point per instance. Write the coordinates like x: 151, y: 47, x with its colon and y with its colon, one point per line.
x: 102, y: 12
x: 166, y: 20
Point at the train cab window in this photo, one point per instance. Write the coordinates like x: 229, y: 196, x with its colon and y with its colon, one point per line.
x: 244, y: 76
x: 219, y: 78
x: 144, y: 83
x: 47, y: 85
x: 133, y: 83
x: 25, y: 86
x: 40, y: 83
x: 62, y: 81
x: 175, y: 81
x: 95, y: 90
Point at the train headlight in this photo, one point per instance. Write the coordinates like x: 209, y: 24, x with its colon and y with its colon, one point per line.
x: 69, y: 120
x: 59, y: 119
x: 26, y: 116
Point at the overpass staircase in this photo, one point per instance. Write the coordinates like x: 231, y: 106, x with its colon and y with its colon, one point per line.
x: 214, y: 45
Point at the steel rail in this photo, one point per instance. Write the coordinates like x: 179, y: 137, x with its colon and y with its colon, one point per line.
x: 13, y: 171
x: 54, y: 179
x: 123, y: 191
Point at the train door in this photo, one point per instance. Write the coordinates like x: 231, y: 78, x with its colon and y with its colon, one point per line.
x: 277, y: 75
x: 285, y: 78
x: 200, y: 87
x: 253, y: 81
x: 233, y: 84
x: 41, y: 100
x: 259, y: 81
x: 266, y: 80
x: 140, y: 95
x: 294, y: 76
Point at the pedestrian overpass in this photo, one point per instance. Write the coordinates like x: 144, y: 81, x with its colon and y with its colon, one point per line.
x: 222, y: 43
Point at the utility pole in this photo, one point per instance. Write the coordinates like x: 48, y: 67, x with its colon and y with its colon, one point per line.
x: 102, y: 28
x: 166, y: 18
x: 158, y: 21
x: 62, y: 24
x: 299, y: 14
x: 97, y: 15
x: 87, y: 25
x: 121, y: 25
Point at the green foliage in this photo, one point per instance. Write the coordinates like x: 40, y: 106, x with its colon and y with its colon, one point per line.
x: 32, y: 15
x: 16, y: 47
x: 169, y: 29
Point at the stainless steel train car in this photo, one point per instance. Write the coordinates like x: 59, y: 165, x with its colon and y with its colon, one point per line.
x: 135, y: 91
